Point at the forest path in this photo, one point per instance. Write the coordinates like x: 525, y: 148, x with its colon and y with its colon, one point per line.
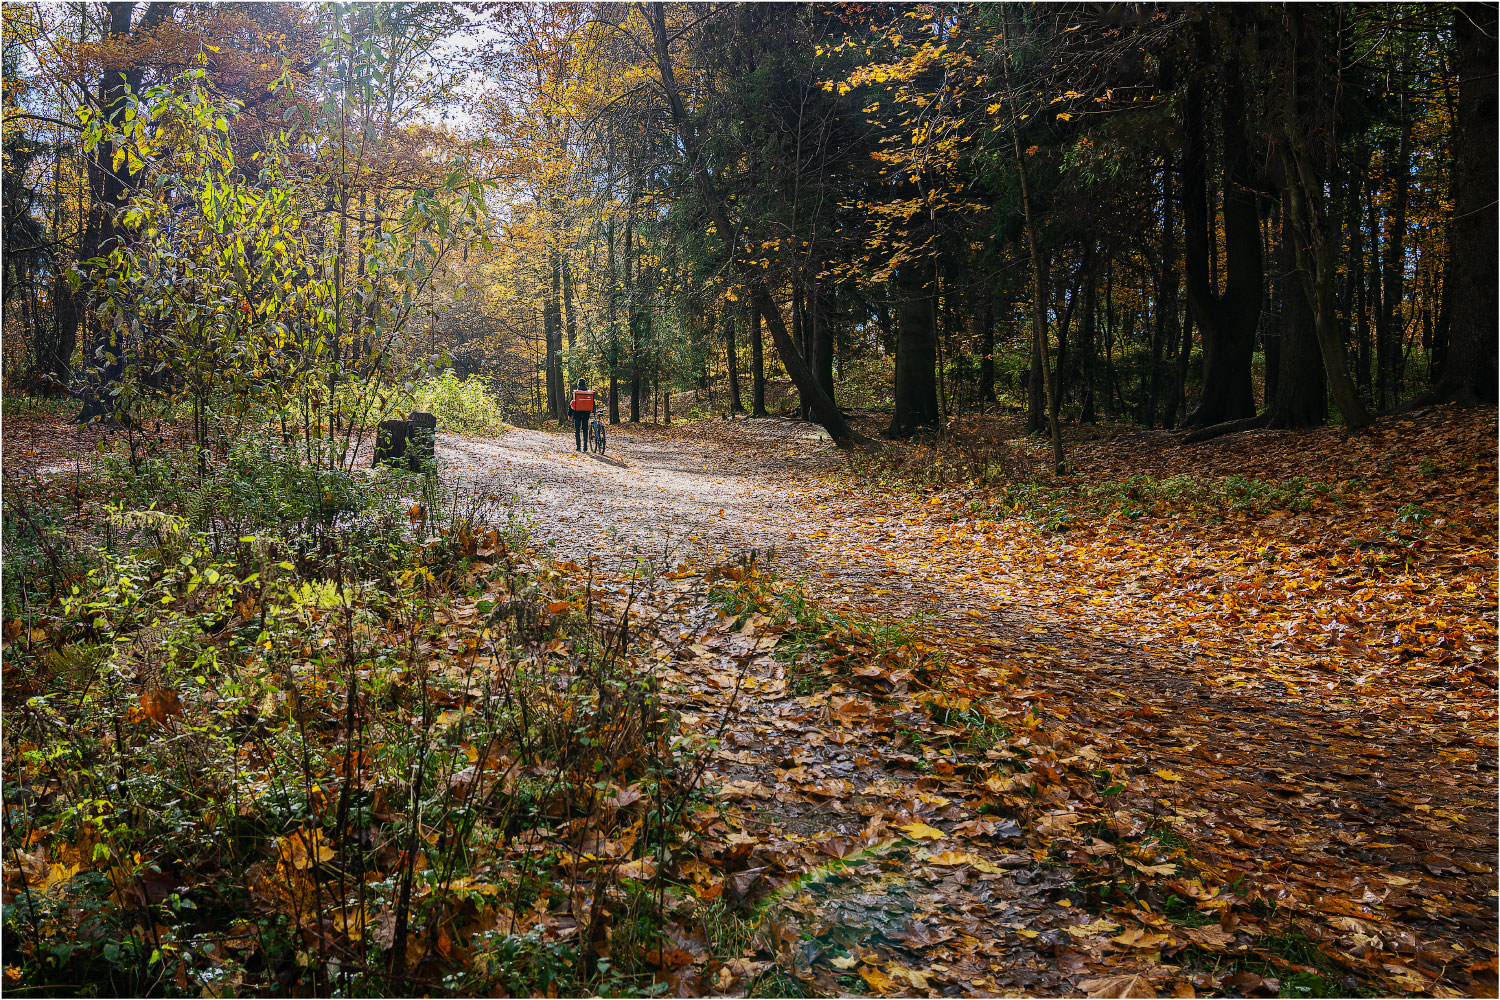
x: 652, y: 492
x: 819, y: 784
x: 1347, y: 791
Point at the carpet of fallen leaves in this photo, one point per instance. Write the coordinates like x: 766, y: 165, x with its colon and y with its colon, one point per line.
x: 1213, y: 719
x: 1206, y: 720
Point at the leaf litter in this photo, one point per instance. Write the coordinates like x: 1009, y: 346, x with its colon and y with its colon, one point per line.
x: 1248, y: 704
x: 1181, y: 725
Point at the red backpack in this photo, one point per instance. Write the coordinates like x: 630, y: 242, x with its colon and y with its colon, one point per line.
x: 583, y: 400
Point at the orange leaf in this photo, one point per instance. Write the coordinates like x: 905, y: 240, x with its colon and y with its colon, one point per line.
x: 156, y: 704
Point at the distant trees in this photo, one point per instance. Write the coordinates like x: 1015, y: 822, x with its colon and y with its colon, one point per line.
x: 1208, y: 217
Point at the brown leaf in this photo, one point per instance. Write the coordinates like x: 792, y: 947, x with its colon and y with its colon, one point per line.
x: 1134, y: 985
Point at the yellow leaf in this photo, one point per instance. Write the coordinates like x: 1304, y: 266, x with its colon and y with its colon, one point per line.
x: 57, y: 874
x: 952, y: 858
x: 305, y: 848
x: 640, y: 869
x: 1166, y: 775
x: 921, y: 831
x: 879, y: 981
x: 1139, y: 937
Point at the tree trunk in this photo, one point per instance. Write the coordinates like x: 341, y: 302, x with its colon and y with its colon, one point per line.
x: 1469, y: 366
x: 734, y: 365
x: 1306, y: 96
x: 1227, y: 321
x: 1038, y: 281
x: 799, y: 338
x: 802, y: 376
x: 1087, y: 348
x: 1036, y: 390
x: 1393, y: 268
x: 612, y: 302
x: 757, y: 366
x: 1358, y: 305
x: 984, y: 320
x: 820, y: 336
x: 1166, y: 301
x: 1298, y: 399
x: 570, y: 320
x: 1184, y: 355
x: 632, y: 317
x: 104, y: 356
x: 557, y: 390
x: 916, y: 354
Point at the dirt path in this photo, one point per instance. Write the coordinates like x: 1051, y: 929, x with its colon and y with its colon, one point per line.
x: 818, y: 785
x: 1370, y: 820
x: 650, y: 493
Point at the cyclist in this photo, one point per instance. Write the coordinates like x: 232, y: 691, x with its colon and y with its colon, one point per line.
x: 583, y: 408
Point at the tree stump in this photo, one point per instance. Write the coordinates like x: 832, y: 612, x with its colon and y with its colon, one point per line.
x: 421, y: 440
x: 390, y: 442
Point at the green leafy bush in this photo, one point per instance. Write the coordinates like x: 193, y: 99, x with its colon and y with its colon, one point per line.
x: 462, y: 405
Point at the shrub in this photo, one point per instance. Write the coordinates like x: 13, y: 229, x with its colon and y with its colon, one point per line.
x: 462, y: 405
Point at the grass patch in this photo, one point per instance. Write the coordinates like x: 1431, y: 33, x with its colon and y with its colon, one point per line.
x: 1297, y: 964
x: 819, y: 646
x: 1064, y: 507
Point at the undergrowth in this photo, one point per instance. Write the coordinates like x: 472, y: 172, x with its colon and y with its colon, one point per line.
x: 1000, y: 482
x: 293, y: 731
x: 822, y: 647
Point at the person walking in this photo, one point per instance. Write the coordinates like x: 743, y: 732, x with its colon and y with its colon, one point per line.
x: 583, y: 408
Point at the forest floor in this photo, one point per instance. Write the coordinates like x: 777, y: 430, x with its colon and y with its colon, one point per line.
x: 1216, y: 719
x: 1206, y: 720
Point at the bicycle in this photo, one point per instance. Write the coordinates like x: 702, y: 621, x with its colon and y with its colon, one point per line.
x: 597, y: 430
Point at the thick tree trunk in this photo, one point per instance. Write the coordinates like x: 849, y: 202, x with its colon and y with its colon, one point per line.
x: 1469, y: 366
x: 916, y: 354
x: 820, y: 335
x: 1166, y: 300
x: 58, y: 359
x: 1184, y: 355
x: 1227, y: 321
x: 104, y: 357
x: 1300, y: 391
x: 1307, y: 96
